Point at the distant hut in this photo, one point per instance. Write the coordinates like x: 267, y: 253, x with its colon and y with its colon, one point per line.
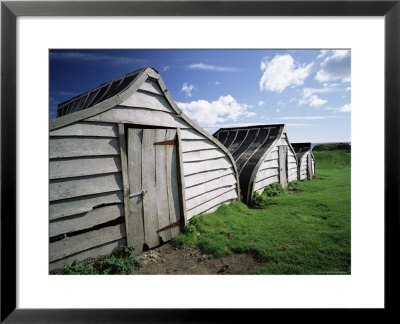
x: 128, y: 167
x: 263, y: 155
x: 305, y: 160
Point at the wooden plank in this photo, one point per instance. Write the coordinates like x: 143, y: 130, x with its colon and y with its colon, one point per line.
x: 265, y: 182
x: 207, y: 196
x: 151, y: 224
x: 202, y: 155
x: 272, y: 156
x: 87, y: 129
x: 81, y: 146
x: 135, y: 185
x: 148, y: 100
x: 161, y: 184
x: 86, y: 220
x: 78, y: 243
x: 181, y: 180
x: 194, y: 191
x: 198, y: 178
x: 283, y: 166
x: 191, y: 134
x: 269, y: 164
x: 196, y: 167
x: 266, y: 173
x: 172, y: 184
x: 74, y: 206
x: 140, y: 116
x: 309, y: 167
x: 197, y: 145
x: 125, y: 183
x: 88, y: 185
x: 151, y: 86
x: 95, y: 252
x: 217, y: 201
x: 77, y: 167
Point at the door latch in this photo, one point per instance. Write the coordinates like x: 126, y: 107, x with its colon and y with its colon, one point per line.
x: 140, y: 193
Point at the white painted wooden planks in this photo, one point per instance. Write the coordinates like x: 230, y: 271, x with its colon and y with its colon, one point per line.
x: 86, y: 129
x: 217, y: 201
x: 97, y: 251
x: 88, y: 185
x: 191, y: 134
x: 265, y: 182
x: 199, y: 178
x: 266, y: 173
x: 202, y: 155
x: 61, y: 147
x: 140, y: 116
x: 77, y: 167
x: 151, y: 86
x: 224, y: 181
x: 86, y: 220
x: 197, y: 145
x: 202, y: 166
x: 78, y: 243
x: 149, y: 101
x: 78, y: 205
x: 207, y: 196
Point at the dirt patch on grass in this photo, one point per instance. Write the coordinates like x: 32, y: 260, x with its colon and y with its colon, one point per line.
x: 167, y: 259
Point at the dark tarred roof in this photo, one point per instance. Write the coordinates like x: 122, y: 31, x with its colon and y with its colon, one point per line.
x: 301, y: 149
x: 247, y: 146
x: 97, y: 95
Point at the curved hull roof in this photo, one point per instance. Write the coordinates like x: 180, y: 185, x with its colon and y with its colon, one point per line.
x: 248, y: 146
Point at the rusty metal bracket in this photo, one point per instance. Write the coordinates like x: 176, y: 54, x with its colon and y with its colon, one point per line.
x: 169, y: 226
x: 171, y: 142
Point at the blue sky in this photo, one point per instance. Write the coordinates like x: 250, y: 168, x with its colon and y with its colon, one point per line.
x: 308, y: 90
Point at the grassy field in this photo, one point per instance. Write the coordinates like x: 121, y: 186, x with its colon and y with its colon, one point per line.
x: 305, y: 230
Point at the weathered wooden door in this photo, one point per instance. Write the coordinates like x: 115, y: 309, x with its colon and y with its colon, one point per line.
x: 154, y: 194
x: 283, y: 156
x: 309, y: 167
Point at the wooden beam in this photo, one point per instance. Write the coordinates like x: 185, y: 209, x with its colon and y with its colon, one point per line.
x: 125, y: 183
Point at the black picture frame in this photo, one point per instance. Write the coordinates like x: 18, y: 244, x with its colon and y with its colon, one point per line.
x: 10, y: 10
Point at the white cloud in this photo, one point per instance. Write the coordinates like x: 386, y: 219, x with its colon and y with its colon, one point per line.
x: 277, y: 110
x: 345, y: 108
x: 309, y: 117
x: 260, y: 103
x: 322, y: 54
x: 202, y: 66
x: 217, y: 83
x: 335, y: 66
x: 187, y: 89
x: 282, y: 72
x: 311, y: 99
x: 206, y: 113
x: 166, y: 68
x: 280, y: 103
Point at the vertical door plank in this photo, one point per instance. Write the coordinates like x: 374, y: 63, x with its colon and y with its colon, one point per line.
x: 125, y: 184
x: 181, y: 179
x: 135, y: 184
x: 282, y: 166
x: 151, y: 224
x: 161, y: 184
x: 309, y: 166
x: 172, y: 183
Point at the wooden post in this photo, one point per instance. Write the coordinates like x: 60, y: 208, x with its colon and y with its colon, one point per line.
x: 181, y: 179
x: 125, y: 183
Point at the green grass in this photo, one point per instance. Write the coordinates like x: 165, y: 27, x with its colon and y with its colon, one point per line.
x: 302, y: 231
x: 121, y: 261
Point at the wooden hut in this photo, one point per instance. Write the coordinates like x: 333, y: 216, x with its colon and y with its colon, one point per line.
x: 263, y: 155
x: 305, y: 160
x: 127, y: 166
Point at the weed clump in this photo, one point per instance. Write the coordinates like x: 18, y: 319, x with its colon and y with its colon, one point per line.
x: 270, y: 191
x: 121, y: 261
